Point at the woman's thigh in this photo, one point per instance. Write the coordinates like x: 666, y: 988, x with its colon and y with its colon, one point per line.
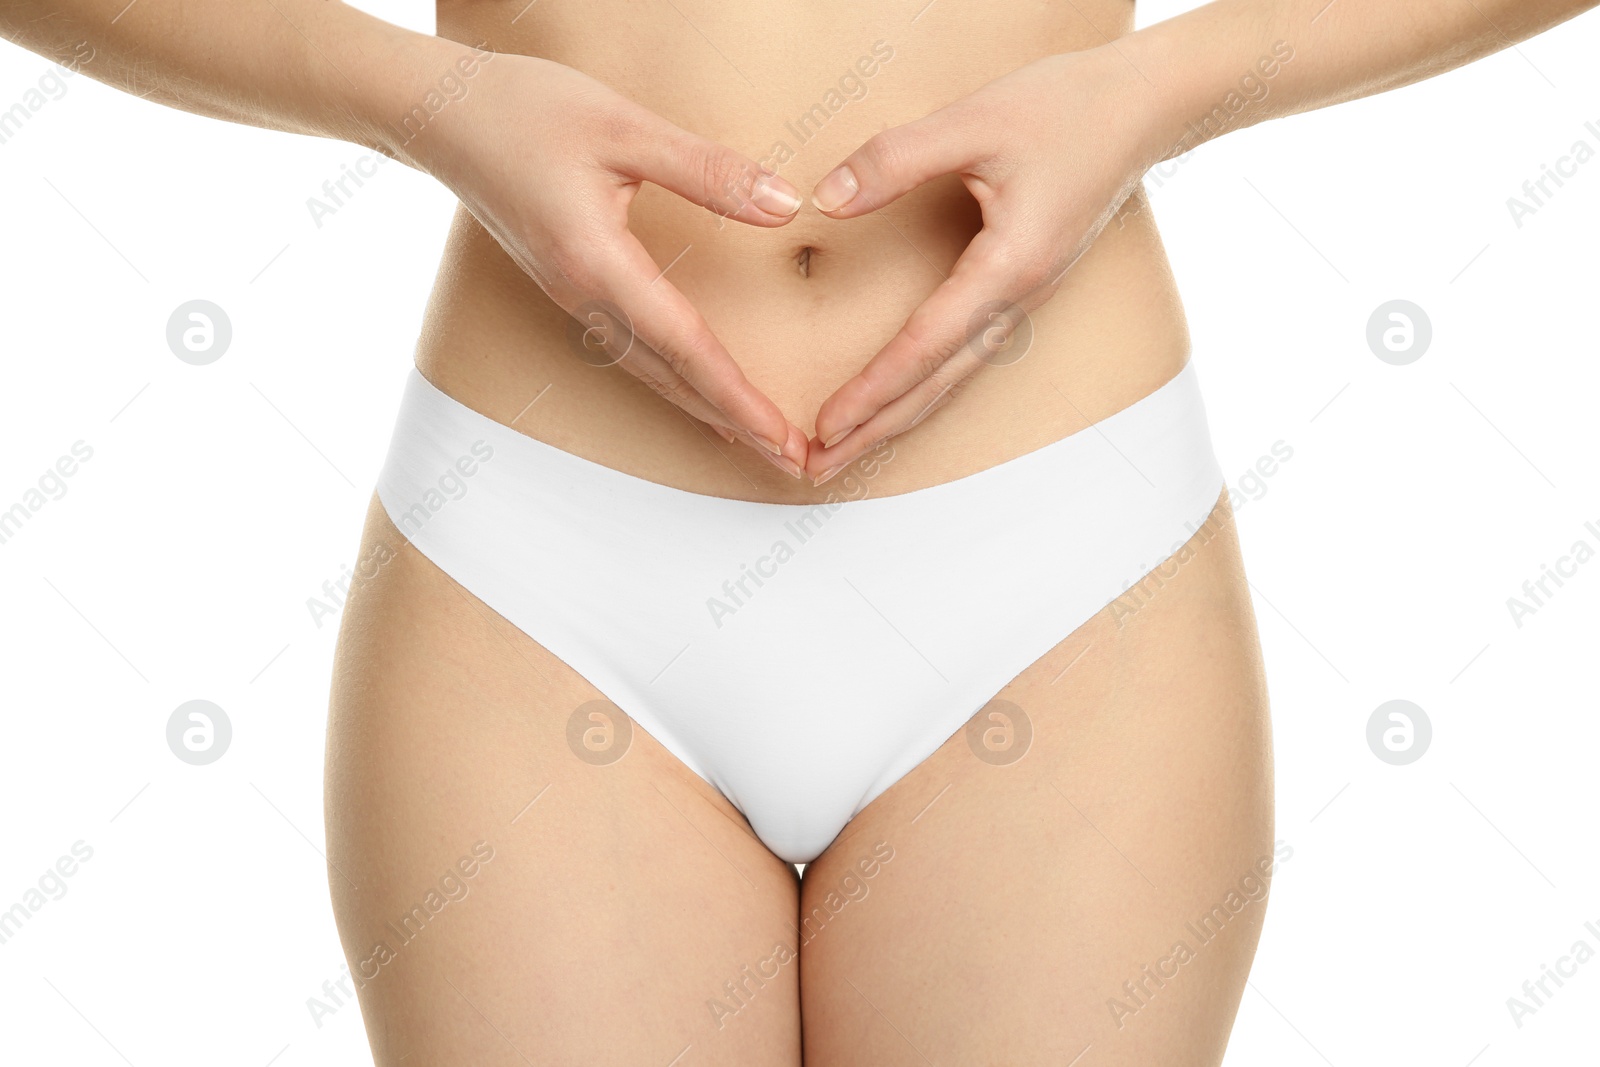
x: 506, y: 889
x: 1083, y: 878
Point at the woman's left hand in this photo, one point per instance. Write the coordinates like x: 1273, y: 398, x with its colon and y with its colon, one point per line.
x: 1050, y: 152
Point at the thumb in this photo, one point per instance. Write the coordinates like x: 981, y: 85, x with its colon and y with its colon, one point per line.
x: 894, y: 162
x: 712, y: 175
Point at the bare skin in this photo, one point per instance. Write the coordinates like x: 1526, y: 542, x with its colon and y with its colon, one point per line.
x: 1018, y: 898
x: 1024, y: 896
x: 503, y: 899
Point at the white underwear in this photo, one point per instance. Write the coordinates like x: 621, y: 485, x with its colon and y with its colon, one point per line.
x: 801, y: 658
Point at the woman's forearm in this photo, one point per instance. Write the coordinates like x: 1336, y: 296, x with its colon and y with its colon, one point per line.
x: 1234, y: 63
x: 306, y: 66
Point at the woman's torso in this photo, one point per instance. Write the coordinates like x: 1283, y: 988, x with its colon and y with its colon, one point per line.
x: 798, y: 86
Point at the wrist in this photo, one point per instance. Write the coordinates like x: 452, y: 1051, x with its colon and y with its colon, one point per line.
x: 1159, y: 84
x: 411, y: 78
x: 1196, y: 83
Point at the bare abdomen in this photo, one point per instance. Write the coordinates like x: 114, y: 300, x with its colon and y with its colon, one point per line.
x: 797, y: 87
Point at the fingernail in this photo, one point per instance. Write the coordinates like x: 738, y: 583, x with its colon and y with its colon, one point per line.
x: 840, y: 436
x: 786, y: 465
x: 836, y: 190
x: 768, y: 444
x: 825, y: 475
x: 725, y: 433
x: 775, y: 196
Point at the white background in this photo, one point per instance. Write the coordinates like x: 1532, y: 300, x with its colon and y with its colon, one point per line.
x: 1418, y: 499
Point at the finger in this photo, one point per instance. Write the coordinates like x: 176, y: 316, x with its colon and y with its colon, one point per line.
x: 898, y: 160
x: 603, y: 337
x: 902, y: 414
x: 711, y: 175
x: 670, y: 327
x: 988, y: 294
x: 651, y: 369
x: 648, y: 366
x: 607, y: 340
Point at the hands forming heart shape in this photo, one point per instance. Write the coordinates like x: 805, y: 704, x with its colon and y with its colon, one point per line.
x: 549, y: 160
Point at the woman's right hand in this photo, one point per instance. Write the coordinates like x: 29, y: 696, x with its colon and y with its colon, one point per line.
x: 547, y: 159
